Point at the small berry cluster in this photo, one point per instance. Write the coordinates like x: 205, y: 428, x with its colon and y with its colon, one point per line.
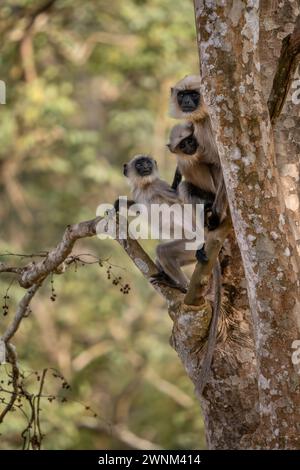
x: 116, y: 280
x: 64, y: 384
x: 53, y: 293
x: 125, y: 289
x: 5, y: 305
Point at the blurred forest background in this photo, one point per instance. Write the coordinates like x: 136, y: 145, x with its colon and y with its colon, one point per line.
x: 87, y: 87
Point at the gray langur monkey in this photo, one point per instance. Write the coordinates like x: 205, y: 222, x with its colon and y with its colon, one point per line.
x: 198, y: 162
x: 198, y: 176
x: 147, y: 188
x: 194, y: 144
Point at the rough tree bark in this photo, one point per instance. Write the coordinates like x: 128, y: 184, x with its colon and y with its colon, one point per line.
x: 229, y: 45
x: 280, y: 31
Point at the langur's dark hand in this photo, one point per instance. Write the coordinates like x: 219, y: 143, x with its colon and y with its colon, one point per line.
x: 201, y: 255
x: 213, y: 221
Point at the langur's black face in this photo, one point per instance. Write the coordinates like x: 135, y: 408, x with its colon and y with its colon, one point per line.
x: 188, y: 100
x: 143, y: 166
x: 189, y: 145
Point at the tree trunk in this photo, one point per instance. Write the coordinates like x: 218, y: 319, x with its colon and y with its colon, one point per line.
x: 229, y: 402
x: 229, y: 399
x: 276, y: 22
x: 228, y: 38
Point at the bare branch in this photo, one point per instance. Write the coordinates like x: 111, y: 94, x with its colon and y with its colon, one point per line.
x: 36, y: 272
x: 39, y: 11
x: 148, y: 268
x: 22, y: 310
x: 123, y: 434
x: 168, y: 388
x: 78, y: 52
x: 25, y: 14
x: 38, y: 408
x: 10, y: 269
x: 12, y: 357
x: 27, y: 57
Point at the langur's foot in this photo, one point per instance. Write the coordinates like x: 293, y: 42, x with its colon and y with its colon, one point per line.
x: 201, y: 255
x: 213, y: 221
x: 117, y: 205
x: 162, y: 278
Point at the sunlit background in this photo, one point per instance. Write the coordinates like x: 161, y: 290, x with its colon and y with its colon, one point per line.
x: 87, y: 88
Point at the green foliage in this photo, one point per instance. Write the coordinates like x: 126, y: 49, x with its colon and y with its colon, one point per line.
x: 87, y: 88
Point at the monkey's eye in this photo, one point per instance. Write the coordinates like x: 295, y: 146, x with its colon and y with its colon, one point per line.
x: 180, y: 94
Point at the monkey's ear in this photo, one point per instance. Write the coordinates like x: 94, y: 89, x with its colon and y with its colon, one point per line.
x: 171, y: 90
x: 155, y: 162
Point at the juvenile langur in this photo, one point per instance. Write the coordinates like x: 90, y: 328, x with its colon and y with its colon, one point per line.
x: 194, y: 144
x: 198, y: 176
x: 183, y: 143
x: 147, y: 188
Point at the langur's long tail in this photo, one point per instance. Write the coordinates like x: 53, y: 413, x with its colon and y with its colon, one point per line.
x: 213, y: 330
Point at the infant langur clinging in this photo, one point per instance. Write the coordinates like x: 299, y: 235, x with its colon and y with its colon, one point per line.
x: 148, y: 189
x: 194, y: 144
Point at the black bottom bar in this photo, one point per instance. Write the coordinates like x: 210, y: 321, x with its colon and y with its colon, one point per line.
x: 134, y: 459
